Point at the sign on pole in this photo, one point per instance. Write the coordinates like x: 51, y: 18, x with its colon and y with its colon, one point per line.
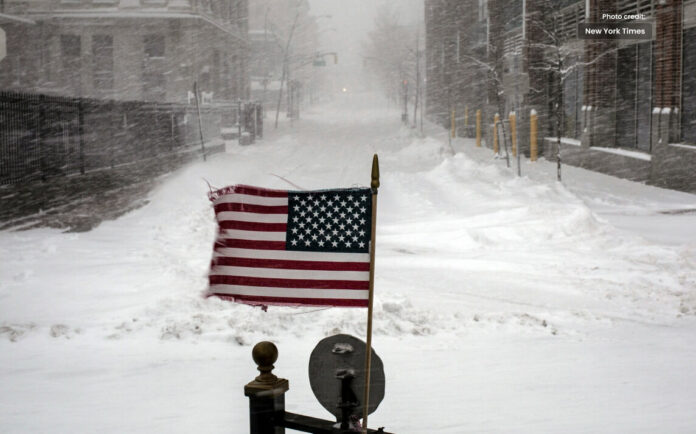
x: 3, y: 44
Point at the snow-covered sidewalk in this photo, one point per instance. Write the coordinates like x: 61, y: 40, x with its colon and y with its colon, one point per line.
x: 503, y: 304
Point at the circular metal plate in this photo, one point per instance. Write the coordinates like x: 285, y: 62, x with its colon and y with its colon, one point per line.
x: 335, y: 357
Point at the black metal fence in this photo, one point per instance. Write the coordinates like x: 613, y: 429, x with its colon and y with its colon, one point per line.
x: 45, y: 136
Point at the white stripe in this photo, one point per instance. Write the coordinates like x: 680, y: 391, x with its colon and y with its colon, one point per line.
x: 250, y: 199
x: 282, y: 273
x: 345, y: 294
x: 254, y: 235
x: 292, y: 255
x: 252, y: 217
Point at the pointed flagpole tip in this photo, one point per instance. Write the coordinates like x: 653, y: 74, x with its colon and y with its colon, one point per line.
x: 375, y: 173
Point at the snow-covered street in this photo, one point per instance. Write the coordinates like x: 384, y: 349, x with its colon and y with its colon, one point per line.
x: 503, y: 304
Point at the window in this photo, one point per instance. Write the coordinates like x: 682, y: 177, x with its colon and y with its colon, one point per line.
x: 70, y: 46
x: 103, y: 62
x: 154, y: 46
x: 154, y: 86
x: 71, y: 50
x: 154, y: 80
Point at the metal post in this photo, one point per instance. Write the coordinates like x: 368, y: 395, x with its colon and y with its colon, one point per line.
x: 478, y: 128
x: 266, y: 393
x: 40, y: 136
x: 256, y: 118
x: 533, y: 147
x: 200, y: 124
x: 496, y: 119
x: 171, y: 141
x: 513, y: 137
x: 404, y: 115
x: 81, y: 133
x: 415, y: 105
x: 259, y: 119
x: 513, y: 131
x: 239, y: 121
x: 466, y: 121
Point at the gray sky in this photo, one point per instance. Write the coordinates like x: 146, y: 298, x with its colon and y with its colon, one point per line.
x: 353, y: 19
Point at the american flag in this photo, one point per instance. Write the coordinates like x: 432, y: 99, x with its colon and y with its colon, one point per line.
x: 279, y: 247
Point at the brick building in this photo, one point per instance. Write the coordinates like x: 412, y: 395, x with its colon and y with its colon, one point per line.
x: 629, y: 106
x: 146, y: 50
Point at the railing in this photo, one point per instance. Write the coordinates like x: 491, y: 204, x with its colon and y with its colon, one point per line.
x: 45, y: 136
x: 266, y: 395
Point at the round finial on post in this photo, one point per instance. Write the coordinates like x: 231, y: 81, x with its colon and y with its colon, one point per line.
x: 375, y: 174
x: 265, y: 355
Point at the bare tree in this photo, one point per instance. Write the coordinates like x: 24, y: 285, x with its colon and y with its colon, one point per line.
x: 391, y: 53
x: 560, y: 60
x: 492, y: 65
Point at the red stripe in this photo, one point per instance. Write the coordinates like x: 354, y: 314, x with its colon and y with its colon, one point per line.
x: 256, y: 300
x: 289, y: 283
x: 292, y: 265
x: 249, y: 244
x: 256, y: 191
x: 253, y: 226
x: 248, y: 207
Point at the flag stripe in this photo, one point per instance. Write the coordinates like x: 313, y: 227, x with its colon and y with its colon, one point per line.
x: 256, y: 191
x: 285, y: 273
x: 281, y: 254
x: 253, y: 200
x: 247, y: 207
x: 253, y: 226
x: 289, y: 292
x: 292, y: 265
x: 252, y: 217
x: 293, y: 301
x: 288, y: 283
x: 250, y: 244
x: 255, y: 235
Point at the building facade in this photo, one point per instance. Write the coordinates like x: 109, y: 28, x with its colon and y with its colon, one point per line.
x: 628, y: 106
x: 284, y: 37
x: 144, y: 50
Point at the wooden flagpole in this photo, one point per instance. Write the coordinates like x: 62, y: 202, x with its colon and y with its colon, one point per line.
x: 368, y: 355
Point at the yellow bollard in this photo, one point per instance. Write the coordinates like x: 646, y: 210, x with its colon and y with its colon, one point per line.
x: 466, y: 116
x: 513, y: 132
x: 533, y: 136
x: 478, y: 128
x: 496, y: 119
x: 453, y: 122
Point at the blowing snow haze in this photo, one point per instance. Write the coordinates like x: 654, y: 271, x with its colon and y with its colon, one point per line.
x: 534, y: 252
x: 349, y: 26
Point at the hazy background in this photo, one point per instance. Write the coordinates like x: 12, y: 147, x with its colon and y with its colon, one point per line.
x: 352, y: 21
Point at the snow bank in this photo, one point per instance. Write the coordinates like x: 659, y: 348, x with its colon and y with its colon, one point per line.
x: 146, y: 272
x: 521, y: 297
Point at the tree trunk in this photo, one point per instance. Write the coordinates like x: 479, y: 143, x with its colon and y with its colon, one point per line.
x: 559, y: 120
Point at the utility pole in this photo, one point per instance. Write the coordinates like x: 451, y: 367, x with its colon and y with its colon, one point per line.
x: 404, y: 115
x: 286, y: 66
x: 415, y: 105
x: 266, y: 67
